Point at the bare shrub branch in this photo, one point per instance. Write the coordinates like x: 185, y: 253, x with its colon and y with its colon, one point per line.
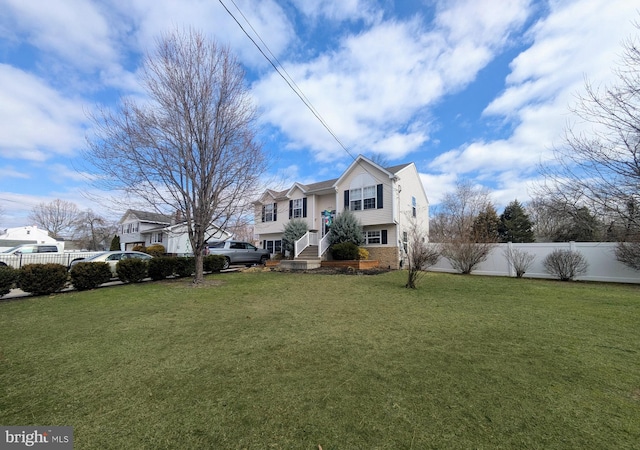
x: 519, y: 259
x: 565, y: 264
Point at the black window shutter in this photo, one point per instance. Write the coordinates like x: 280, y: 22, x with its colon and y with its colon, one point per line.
x: 379, y: 199
x: 304, y: 207
x: 275, y: 212
x: 263, y: 213
x: 290, y: 209
x: 346, y: 199
x: 384, y: 236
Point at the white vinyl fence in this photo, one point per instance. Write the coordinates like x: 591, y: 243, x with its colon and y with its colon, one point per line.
x: 603, y: 265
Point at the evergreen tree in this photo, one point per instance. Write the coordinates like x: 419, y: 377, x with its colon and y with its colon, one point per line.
x: 485, y: 225
x: 115, y: 243
x: 515, y: 225
x: 346, y: 228
x: 293, y: 230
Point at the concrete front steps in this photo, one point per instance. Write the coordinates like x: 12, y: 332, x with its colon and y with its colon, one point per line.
x: 308, y: 259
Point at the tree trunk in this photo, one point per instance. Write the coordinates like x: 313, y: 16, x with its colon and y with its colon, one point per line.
x: 199, y: 271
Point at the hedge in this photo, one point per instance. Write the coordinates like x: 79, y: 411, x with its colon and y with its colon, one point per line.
x: 42, y: 279
x: 132, y: 270
x: 8, y: 277
x: 89, y: 275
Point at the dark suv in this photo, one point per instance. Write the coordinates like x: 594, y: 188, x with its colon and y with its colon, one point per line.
x: 238, y: 252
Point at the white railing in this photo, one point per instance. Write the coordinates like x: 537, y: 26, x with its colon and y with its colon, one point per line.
x: 301, y: 244
x: 323, y: 246
x: 309, y: 238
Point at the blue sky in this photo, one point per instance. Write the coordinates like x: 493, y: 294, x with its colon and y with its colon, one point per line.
x: 466, y: 89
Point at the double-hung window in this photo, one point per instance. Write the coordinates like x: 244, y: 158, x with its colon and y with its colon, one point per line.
x: 297, y: 208
x: 356, y: 199
x: 372, y: 237
x: 369, y: 197
x: 268, y: 212
x: 413, y: 207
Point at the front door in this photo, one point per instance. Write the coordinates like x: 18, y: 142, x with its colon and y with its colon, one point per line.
x: 327, y: 220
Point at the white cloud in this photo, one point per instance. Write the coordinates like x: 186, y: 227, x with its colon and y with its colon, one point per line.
x: 35, y: 120
x: 339, y: 10
x: 577, y: 39
x: 75, y: 30
x: 374, y: 91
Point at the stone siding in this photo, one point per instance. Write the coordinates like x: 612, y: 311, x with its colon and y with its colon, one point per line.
x: 388, y: 256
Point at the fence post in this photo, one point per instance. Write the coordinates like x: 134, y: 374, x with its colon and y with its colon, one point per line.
x: 510, y: 263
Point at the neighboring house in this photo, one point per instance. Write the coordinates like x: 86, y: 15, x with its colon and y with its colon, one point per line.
x: 387, y: 201
x: 13, y: 237
x: 145, y: 229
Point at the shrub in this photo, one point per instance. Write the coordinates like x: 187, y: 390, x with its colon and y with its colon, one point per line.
x: 519, y: 259
x: 89, y: 275
x: 628, y: 253
x: 132, y: 270
x: 293, y: 230
x: 346, y: 228
x: 156, y: 250
x: 185, y: 266
x: 42, y: 279
x: 344, y: 251
x: 363, y: 253
x: 139, y: 248
x: 8, y: 277
x: 161, y: 267
x: 464, y: 256
x: 213, y: 263
x: 565, y: 264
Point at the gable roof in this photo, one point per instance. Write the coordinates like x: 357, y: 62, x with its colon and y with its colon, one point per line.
x: 328, y: 184
x: 145, y: 216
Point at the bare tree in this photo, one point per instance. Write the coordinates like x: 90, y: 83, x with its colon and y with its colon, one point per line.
x: 519, y: 259
x: 420, y: 254
x: 57, y: 217
x: 93, y: 231
x: 597, y: 163
x: 192, y: 146
x: 463, y: 244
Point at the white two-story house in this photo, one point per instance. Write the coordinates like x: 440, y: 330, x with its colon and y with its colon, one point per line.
x: 146, y: 228
x: 387, y: 202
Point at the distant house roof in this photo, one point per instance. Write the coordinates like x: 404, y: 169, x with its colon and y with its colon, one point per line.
x: 145, y: 216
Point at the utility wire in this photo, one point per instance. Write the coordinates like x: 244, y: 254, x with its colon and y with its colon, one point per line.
x: 288, y: 80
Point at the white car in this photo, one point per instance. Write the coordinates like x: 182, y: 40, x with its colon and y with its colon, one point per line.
x: 113, y: 257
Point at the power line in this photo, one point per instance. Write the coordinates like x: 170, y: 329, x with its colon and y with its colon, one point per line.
x: 288, y: 79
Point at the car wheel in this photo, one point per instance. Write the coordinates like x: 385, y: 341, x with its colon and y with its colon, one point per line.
x: 226, y: 264
x: 264, y: 259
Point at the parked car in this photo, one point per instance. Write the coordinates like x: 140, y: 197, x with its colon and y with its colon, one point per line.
x: 113, y: 257
x: 238, y: 252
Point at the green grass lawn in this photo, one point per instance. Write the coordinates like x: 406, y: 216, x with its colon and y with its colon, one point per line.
x: 294, y: 361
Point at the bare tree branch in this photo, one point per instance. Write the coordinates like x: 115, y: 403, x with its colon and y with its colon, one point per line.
x: 57, y: 217
x: 192, y: 146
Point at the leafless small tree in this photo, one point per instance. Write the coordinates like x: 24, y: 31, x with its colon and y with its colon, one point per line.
x: 519, y: 259
x: 58, y: 217
x: 420, y: 254
x: 565, y: 264
x: 191, y: 147
x: 462, y: 243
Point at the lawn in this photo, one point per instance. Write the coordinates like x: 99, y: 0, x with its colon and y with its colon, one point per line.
x: 297, y: 361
